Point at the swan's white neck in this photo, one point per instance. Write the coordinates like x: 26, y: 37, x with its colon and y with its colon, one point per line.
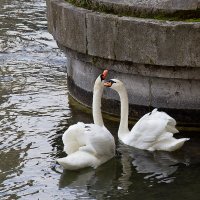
x: 96, y: 104
x: 123, y: 127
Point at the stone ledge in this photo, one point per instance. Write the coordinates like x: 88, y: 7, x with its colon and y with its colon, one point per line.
x: 179, y: 97
x: 159, y: 61
x: 164, y: 89
x: 143, y: 41
x: 67, y: 24
x: 168, y: 5
x: 175, y: 10
x: 166, y: 72
x: 135, y: 40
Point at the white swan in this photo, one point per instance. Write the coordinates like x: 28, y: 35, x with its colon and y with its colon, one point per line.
x: 154, y: 131
x: 89, y: 145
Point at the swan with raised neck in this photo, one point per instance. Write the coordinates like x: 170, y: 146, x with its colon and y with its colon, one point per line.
x: 96, y: 102
x: 154, y: 131
x: 89, y: 145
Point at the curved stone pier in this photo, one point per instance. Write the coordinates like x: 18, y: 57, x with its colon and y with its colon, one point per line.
x: 158, y: 60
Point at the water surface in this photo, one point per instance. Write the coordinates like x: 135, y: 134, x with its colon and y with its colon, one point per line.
x: 35, y: 110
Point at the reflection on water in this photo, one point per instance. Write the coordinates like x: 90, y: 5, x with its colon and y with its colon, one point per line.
x: 156, y: 166
x: 97, y: 183
x: 35, y: 110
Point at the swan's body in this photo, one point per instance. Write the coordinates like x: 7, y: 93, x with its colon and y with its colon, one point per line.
x: 88, y: 145
x: 154, y: 131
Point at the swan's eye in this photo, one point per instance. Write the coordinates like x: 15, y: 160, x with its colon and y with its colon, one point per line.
x: 109, y: 83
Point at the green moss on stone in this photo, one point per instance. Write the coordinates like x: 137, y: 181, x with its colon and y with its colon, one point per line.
x: 193, y: 20
x: 94, y: 60
x: 185, y: 15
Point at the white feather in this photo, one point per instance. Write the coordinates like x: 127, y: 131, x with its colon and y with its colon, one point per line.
x: 154, y: 131
x: 88, y: 145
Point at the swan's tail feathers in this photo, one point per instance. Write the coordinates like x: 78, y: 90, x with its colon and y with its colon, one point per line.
x: 79, y: 160
x: 170, y: 144
x: 177, y: 144
x: 171, y: 129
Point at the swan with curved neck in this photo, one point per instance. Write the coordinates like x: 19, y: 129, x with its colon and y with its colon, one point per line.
x: 154, y: 131
x: 96, y: 101
x: 89, y: 145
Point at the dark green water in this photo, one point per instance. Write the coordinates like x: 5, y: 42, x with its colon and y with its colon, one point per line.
x: 35, y: 110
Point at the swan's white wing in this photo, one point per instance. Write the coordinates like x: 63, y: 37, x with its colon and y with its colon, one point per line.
x: 171, y: 122
x: 90, y: 138
x: 73, y: 137
x: 169, y: 144
x: 157, y: 116
x: 87, y: 145
x: 154, y: 131
x: 148, y: 132
x: 101, y: 140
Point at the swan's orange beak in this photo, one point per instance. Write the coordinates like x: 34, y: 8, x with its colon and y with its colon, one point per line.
x: 104, y: 74
x: 107, y: 84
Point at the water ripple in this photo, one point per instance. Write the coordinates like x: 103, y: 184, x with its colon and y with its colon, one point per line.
x: 35, y: 110
x: 33, y: 98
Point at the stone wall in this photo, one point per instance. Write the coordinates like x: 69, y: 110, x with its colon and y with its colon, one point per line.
x: 159, y: 61
x: 136, y: 40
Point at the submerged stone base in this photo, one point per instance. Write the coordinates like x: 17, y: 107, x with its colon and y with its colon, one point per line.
x: 158, y: 60
x: 148, y: 87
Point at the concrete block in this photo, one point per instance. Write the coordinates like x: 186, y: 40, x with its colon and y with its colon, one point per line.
x: 158, y: 43
x: 136, y: 41
x: 158, y: 61
x: 175, y: 93
x: 101, y: 32
x: 177, y: 45
x: 68, y: 25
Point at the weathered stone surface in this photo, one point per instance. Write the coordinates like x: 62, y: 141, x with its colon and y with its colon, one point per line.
x: 152, y: 42
x: 172, y: 93
x: 174, y: 90
x: 159, y: 61
x: 151, y: 71
x: 67, y: 24
x: 172, y: 9
x: 124, y: 38
x: 101, y: 33
x: 157, y: 4
x: 143, y: 41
